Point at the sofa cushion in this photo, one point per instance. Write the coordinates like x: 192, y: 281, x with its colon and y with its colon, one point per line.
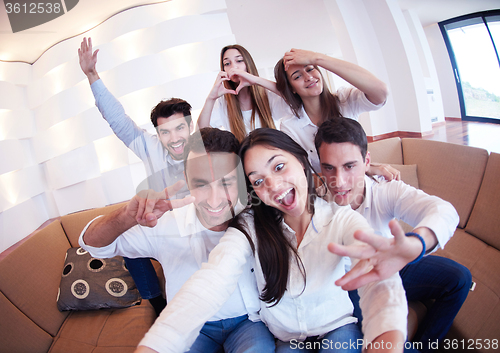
x: 18, y: 333
x: 408, y: 174
x: 451, y: 172
x: 386, y: 151
x: 31, y: 275
x: 74, y: 223
x: 484, y: 222
x: 478, y: 317
x: 107, y: 330
x: 89, y: 283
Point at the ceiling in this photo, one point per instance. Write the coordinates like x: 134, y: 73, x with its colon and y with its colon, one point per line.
x: 28, y: 45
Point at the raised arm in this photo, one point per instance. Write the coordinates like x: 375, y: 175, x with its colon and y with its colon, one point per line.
x: 144, y: 208
x: 88, y: 60
x: 374, y: 89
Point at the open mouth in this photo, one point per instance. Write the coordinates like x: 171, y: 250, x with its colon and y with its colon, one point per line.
x: 215, y: 211
x: 286, y: 198
x: 178, y: 147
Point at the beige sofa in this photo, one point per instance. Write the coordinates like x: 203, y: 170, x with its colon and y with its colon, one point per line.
x: 465, y: 176
x: 468, y: 178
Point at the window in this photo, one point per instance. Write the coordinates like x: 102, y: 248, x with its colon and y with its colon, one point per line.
x: 473, y: 42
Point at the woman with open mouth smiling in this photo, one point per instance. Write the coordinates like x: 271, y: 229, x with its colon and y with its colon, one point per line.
x: 297, y: 241
x: 301, y: 84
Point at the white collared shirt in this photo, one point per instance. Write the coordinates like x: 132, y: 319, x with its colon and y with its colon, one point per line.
x: 386, y: 200
x: 352, y: 103
x: 181, y: 244
x: 315, y: 309
x: 161, y: 168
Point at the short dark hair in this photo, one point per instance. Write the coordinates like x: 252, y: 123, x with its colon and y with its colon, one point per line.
x: 213, y: 140
x: 342, y: 130
x: 167, y: 108
x: 210, y: 139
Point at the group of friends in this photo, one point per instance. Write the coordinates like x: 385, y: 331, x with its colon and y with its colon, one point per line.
x: 260, y: 251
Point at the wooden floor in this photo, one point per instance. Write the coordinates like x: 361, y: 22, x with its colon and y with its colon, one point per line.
x: 468, y: 133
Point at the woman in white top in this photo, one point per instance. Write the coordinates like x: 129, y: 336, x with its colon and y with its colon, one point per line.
x: 287, y: 234
x: 304, y: 89
x: 239, y: 101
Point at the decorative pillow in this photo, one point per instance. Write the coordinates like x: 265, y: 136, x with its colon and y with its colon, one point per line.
x: 89, y: 283
x: 408, y: 173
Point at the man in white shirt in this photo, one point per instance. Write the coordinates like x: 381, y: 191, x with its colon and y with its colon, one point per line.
x: 182, y: 239
x: 342, y: 149
x: 162, y: 154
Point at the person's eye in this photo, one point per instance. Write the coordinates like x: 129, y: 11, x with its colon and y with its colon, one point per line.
x: 310, y: 68
x: 180, y: 127
x: 164, y: 132
x: 328, y: 167
x: 226, y: 64
x: 279, y: 167
x: 349, y: 166
x: 296, y: 77
x: 257, y: 182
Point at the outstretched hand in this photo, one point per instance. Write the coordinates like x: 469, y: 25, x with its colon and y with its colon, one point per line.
x: 379, y: 257
x: 299, y: 57
x: 88, y: 59
x: 148, y: 205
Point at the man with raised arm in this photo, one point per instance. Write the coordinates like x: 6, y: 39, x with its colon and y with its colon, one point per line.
x: 162, y: 153
x: 344, y: 160
x: 182, y: 239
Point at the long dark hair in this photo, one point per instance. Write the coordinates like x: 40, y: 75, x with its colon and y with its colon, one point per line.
x: 275, y: 251
x: 258, y: 95
x: 330, y: 103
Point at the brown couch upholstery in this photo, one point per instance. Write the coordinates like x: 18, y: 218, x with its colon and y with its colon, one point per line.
x: 465, y: 176
x: 29, y: 281
x: 468, y: 178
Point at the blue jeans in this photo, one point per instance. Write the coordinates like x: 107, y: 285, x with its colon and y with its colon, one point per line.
x: 144, y: 275
x: 342, y: 340
x: 434, y: 277
x: 235, y: 335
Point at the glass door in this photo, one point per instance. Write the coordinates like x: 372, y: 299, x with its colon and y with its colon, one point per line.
x: 472, y: 44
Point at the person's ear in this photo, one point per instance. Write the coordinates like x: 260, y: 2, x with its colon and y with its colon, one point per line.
x: 367, y: 161
x: 191, y: 125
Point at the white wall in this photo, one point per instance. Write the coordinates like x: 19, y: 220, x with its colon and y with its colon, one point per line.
x: 58, y: 154
x: 451, y: 103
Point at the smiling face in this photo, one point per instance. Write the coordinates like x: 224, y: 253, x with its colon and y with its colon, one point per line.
x: 213, y: 180
x: 344, y: 169
x: 278, y: 179
x: 173, y: 133
x: 232, y: 58
x: 306, y: 81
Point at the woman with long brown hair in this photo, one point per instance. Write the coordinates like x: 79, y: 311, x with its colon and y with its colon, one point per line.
x: 301, y: 84
x: 241, y: 101
x: 286, y: 235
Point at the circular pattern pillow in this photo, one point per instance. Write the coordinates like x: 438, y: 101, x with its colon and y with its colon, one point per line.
x: 89, y: 283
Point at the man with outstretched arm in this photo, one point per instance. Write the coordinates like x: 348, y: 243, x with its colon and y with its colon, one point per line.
x: 342, y: 149
x: 182, y: 239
